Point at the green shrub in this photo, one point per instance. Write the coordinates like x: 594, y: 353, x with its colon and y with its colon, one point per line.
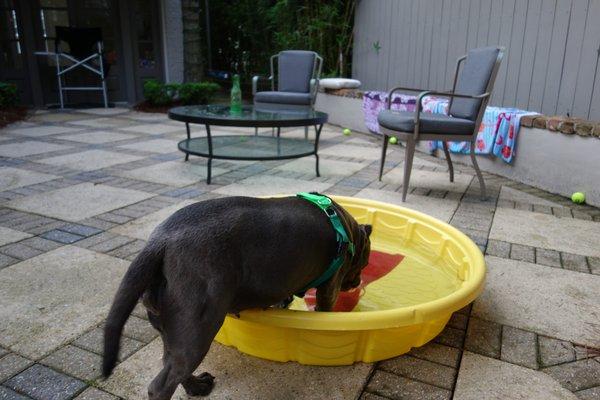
x: 197, y: 92
x: 9, y: 96
x: 160, y: 94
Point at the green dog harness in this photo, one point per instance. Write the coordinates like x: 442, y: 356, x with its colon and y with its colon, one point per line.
x: 325, y: 204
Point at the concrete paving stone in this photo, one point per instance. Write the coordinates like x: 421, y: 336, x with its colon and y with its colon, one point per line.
x: 141, y: 228
x: 94, y: 341
x: 82, y: 230
x: 139, y: 329
x: 98, y: 223
x: 8, y: 394
x: 458, y: 321
x: 111, y: 244
x: 555, y: 351
x: 562, y: 212
x: 546, y: 231
x: 522, y: 253
x: 29, y: 148
x: 90, y: 160
x: 6, y: 261
x: 481, y: 377
x: 96, y: 239
x: 10, y: 236
x: 346, y: 150
x: 519, y: 347
x: 420, y: 370
x: 271, y: 185
x: 61, y: 236
x: 428, y: 180
x: 42, y: 383
x: 161, y: 146
x: 11, y: 365
x: 451, y: 337
x: 128, y: 250
x: 371, y: 396
x: 574, y: 262
x: 442, y: 209
x: 326, y: 167
x: 40, y: 243
x: 565, y: 306
x: 438, y: 353
x: 41, y: 130
x: 3, y: 352
x: 102, y: 123
x: 92, y: 393
x: 483, y: 337
x: 594, y: 263
x: 547, y: 257
x: 498, y: 248
x: 104, y: 111
x: 583, y: 352
x: 97, y: 137
x: 76, y: 362
x: 268, y: 380
x: 114, y: 218
x: 542, y: 209
x: 577, y: 375
x: 19, y: 251
x: 45, y: 301
x: 589, y: 394
x: 172, y: 173
x: 77, y: 202
x: 155, y: 129
x: 399, y: 388
x: 13, y: 178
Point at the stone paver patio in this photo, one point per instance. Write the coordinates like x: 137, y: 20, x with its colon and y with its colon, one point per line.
x: 80, y: 192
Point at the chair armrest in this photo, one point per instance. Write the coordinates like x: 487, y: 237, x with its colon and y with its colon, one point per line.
x: 255, y: 80
x: 396, y: 89
x: 314, y: 87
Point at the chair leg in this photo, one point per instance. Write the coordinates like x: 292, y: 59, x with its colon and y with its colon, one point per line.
x: 386, y: 138
x: 306, y: 133
x: 256, y: 131
x: 449, y: 160
x: 408, y: 160
x: 479, y: 175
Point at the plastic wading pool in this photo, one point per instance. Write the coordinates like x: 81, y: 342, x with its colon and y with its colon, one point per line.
x: 441, y: 272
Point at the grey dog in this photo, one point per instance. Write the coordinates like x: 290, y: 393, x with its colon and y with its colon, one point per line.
x: 224, y: 256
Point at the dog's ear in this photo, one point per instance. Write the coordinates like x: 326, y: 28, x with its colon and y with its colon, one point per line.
x: 368, y: 229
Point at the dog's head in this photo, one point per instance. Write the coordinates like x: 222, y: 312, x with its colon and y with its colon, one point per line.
x: 362, y: 249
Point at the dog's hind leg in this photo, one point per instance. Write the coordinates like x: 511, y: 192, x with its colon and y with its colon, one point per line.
x: 189, y: 326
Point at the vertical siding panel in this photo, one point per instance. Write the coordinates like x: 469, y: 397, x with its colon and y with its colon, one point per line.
x: 359, y: 52
x: 542, y: 53
x: 386, y: 45
x: 419, y: 28
x: 444, y: 44
x: 436, y: 48
x: 493, y: 37
x: 483, y: 23
x: 556, y: 57
x: 395, y: 42
x: 595, y: 104
x: 414, y: 13
x: 587, y: 62
x: 528, y: 53
x: 472, y: 24
x: 430, y: 12
x: 508, y: 9
x: 516, y: 48
x: 406, y: 30
x: 572, y: 56
x: 452, y: 43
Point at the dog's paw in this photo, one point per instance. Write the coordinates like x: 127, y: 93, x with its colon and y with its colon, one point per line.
x: 200, y: 385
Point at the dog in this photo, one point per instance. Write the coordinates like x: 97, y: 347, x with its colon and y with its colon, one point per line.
x: 224, y: 256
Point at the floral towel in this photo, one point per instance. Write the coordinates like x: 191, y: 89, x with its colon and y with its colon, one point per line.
x: 497, y: 133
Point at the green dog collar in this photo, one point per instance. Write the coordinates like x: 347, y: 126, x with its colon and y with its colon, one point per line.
x: 325, y: 204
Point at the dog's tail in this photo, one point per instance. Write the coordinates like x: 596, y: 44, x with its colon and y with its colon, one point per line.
x: 139, y: 276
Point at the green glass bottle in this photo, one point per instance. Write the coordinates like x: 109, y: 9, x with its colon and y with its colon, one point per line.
x: 236, y: 95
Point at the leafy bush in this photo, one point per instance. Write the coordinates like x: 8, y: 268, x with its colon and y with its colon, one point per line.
x: 197, y: 92
x: 9, y: 96
x: 160, y: 94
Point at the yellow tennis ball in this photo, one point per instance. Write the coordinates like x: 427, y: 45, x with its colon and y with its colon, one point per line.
x: 347, y: 131
x: 578, y: 198
x: 393, y: 140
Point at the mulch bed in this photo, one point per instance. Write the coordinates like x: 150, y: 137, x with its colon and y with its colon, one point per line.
x: 146, y: 107
x: 12, y: 114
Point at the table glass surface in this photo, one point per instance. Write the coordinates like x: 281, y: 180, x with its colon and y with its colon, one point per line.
x: 247, y: 113
x: 249, y: 147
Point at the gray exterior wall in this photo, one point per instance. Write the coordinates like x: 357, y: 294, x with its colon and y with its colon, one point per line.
x: 553, y: 46
x: 172, y: 40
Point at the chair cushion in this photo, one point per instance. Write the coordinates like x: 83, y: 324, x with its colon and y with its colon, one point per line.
x: 473, y: 79
x: 295, y: 70
x: 282, y: 98
x: 403, y: 121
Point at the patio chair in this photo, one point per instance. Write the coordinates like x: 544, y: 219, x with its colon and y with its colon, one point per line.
x: 297, y: 82
x: 468, y: 99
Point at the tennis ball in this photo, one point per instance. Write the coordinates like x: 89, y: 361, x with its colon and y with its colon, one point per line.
x: 393, y: 140
x: 578, y: 198
x: 347, y: 131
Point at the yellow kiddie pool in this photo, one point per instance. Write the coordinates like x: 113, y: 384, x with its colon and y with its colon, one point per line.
x: 437, y: 270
